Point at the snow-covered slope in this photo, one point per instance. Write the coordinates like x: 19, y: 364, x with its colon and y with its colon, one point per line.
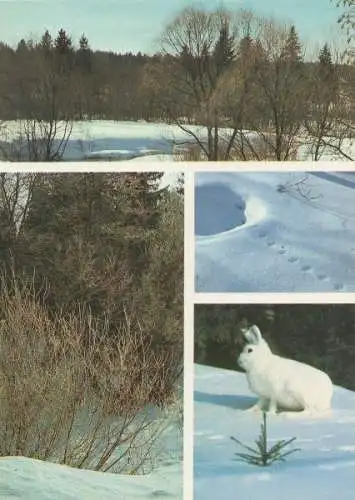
x: 23, y: 478
x: 29, y: 479
x: 275, y: 232
x: 324, y: 469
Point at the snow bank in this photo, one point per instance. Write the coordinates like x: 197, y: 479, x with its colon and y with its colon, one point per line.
x: 28, y: 479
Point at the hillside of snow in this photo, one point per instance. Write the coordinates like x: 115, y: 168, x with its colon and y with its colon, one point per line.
x: 275, y: 232
x: 323, y: 469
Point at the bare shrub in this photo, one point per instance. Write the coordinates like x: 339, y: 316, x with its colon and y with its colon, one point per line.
x: 73, y: 393
x: 246, y: 147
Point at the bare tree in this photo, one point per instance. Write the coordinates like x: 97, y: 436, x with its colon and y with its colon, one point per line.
x: 326, y: 107
x: 197, y: 50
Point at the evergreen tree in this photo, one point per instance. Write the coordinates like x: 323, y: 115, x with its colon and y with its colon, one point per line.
x: 188, y: 62
x: 22, y: 46
x: 84, y: 54
x: 63, y: 43
x: 64, y: 53
x: 93, y: 218
x: 326, y: 72
x: 224, y: 51
x: 325, y: 57
x: 293, y: 48
x: 84, y: 43
x: 46, y: 41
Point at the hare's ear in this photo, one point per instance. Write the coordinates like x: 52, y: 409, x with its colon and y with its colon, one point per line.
x: 253, y: 335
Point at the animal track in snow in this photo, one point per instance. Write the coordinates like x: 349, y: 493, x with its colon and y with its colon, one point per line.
x: 323, y: 277
x: 216, y: 437
x: 160, y: 493
x: 307, y: 269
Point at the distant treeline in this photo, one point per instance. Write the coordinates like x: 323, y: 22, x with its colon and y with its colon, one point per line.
x: 91, y: 84
x: 86, y: 83
x: 320, y: 334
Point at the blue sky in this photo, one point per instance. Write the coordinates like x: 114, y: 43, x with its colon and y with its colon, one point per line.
x: 135, y: 25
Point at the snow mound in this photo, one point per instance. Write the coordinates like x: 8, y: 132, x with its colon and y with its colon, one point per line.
x: 221, y: 209
x: 218, y: 209
x: 29, y: 479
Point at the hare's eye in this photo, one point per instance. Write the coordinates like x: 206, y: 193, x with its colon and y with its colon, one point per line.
x: 250, y: 349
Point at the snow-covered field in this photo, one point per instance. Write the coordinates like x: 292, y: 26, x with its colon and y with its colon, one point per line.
x: 125, y: 140
x: 324, y: 469
x: 275, y: 232
x: 111, y: 140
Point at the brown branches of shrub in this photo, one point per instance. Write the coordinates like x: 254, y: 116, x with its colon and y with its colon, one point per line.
x: 72, y: 391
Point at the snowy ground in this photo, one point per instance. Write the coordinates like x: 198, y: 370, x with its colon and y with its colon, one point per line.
x: 23, y: 478
x: 275, y: 232
x: 110, y: 140
x: 125, y: 140
x: 29, y: 479
x: 324, y: 469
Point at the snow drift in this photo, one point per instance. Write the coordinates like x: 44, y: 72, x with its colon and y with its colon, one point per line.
x: 275, y: 232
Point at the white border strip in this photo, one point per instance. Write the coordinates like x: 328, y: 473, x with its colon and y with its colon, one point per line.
x: 168, y: 166
x: 189, y: 285
x: 275, y: 298
x: 274, y: 166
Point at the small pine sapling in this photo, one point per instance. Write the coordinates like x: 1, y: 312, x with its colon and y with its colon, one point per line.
x: 261, y: 455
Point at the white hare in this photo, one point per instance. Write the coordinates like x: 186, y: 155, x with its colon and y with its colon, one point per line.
x: 280, y: 382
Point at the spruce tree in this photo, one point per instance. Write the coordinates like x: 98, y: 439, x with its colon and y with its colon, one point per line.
x: 22, y: 46
x: 326, y: 70
x: 325, y: 57
x: 63, y: 43
x: 224, y: 51
x: 84, y: 43
x: 326, y: 85
x: 84, y: 54
x: 64, y: 53
x: 293, y: 48
x: 189, y: 63
x: 46, y: 41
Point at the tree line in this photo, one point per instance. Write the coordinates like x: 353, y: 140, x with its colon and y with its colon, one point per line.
x: 80, y: 82
x: 240, y: 86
